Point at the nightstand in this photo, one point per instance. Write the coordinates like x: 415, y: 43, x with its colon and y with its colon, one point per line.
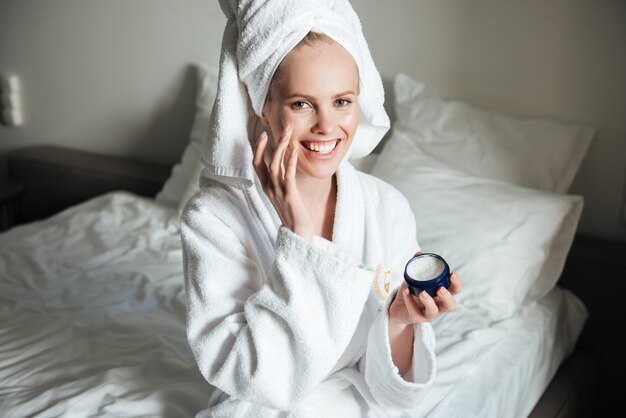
x: 10, y: 203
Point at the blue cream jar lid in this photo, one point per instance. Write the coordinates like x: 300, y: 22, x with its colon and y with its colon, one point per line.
x: 426, y: 272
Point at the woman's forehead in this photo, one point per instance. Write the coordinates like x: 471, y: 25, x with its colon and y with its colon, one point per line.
x: 323, y: 65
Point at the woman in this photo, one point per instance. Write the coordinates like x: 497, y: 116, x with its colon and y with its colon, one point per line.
x: 296, y: 303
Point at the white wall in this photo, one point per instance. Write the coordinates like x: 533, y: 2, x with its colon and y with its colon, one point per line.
x: 113, y: 76
x: 110, y: 76
x: 560, y: 59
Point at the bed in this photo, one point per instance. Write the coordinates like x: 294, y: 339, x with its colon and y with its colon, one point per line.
x: 92, y: 309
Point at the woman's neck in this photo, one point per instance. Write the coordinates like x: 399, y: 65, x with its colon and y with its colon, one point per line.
x: 316, y: 192
x: 320, y: 197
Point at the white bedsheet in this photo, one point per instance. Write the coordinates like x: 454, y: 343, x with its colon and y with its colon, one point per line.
x: 92, y: 324
x: 501, y: 369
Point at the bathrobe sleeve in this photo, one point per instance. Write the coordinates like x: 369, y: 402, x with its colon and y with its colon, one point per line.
x: 387, y: 386
x: 267, y: 336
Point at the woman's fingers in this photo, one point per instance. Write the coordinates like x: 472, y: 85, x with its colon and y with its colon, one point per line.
x: 424, y: 313
x: 286, y: 152
x: 413, y: 310
x: 258, y: 161
x: 279, y: 182
x: 425, y: 308
x: 292, y: 163
x: 444, y: 300
x: 445, y: 297
x: 276, y: 165
x: 431, y: 310
x: 455, y: 284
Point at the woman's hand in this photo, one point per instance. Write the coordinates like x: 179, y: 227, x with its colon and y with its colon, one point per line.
x: 279, y: 183
x: 408, y: 309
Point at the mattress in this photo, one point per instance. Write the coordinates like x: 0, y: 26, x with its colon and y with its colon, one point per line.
x: 92, y: 323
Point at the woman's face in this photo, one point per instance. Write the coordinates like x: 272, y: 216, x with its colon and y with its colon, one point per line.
x: 315, y: 91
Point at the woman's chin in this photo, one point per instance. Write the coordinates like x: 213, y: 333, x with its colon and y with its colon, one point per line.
x: 320, y: 166
x: 320, y: 173
x: 319, y: 169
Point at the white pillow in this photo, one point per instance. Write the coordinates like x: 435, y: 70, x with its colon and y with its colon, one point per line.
x: 538, y: 153
x: 508, y: 243
x: 183, y: 181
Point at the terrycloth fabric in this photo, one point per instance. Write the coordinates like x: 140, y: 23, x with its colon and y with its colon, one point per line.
x: 258, y: 35
x: 279, y: 324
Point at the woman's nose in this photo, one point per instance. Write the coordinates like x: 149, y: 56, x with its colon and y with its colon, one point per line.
x: 324, y: 121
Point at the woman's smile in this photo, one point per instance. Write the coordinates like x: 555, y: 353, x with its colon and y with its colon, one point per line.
x: 322, y: 150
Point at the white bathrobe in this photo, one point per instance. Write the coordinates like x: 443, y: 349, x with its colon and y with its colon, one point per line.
x: 286, y: 327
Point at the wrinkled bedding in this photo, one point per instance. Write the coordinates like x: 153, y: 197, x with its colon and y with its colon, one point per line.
x: 92, y: 323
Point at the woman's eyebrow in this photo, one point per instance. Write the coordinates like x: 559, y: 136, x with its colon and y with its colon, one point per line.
x: 299, y: 96
x: 311, y: 98
x: 345, y: 93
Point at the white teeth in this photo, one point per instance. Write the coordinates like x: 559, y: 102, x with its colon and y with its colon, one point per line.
x: 322, y: 149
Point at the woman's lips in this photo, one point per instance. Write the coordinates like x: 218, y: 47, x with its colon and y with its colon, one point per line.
x: 322, y: 145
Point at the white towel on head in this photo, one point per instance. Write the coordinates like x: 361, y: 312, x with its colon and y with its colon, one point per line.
x: 258, y: 35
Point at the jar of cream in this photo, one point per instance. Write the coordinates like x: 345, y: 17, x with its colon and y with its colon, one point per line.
x: 426, y: 272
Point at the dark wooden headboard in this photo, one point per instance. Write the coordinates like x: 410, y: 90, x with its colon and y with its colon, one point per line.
x: 56, y: 177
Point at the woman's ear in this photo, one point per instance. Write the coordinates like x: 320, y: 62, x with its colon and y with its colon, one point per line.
x: 265, y: 110
x: 264, y: 119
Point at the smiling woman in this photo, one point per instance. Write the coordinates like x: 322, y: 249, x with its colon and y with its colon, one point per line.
x: 285, y: 310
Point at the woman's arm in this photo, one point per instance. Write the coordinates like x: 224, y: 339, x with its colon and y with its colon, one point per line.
x: 399, y: 362
x: 401, y: 338
x: 406, y: 310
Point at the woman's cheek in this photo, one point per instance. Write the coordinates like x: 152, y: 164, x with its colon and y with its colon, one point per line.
x: 351, y: 121
x: 299, y: 122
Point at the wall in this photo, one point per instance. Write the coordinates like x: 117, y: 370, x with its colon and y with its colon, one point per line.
x: 562, y: 59
x: 110, y: 76
x: 114, y: 76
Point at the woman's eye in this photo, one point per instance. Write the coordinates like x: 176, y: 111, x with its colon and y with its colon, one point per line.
x: 342, y: 102
x: 299, y: 105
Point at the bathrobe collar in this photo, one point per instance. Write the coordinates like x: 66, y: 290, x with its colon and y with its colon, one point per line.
x: 349, y: 222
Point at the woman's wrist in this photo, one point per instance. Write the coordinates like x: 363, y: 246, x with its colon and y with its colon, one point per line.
x: 401, y: 338
x: 304, y: 233
x: 397, y: 328
x: 392, y: 314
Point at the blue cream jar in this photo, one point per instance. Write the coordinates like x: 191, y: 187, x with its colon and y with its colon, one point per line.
x: 426, y: 272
